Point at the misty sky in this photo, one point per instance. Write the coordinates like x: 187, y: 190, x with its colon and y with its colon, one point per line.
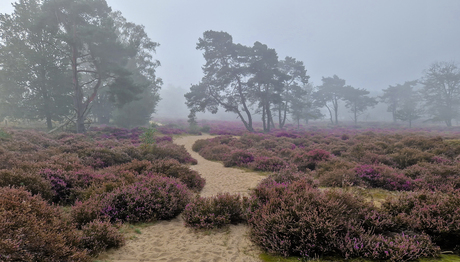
x: 369, y: 43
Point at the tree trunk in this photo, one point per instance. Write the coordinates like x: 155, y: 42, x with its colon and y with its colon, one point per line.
x: 336, y: 116
x: 356, y: 117
x: 330, y: 114
x: 78, y: 99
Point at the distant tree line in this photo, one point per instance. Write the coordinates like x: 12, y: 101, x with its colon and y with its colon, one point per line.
x: 73, y: 59
x: 252, y: 81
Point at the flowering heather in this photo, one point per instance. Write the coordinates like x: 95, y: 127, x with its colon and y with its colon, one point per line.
x: 213, y: 212
x: 153, y: 198
x: 100, y: 235
x: 296, y: 219
x: 431, y: 212
x: 33, y: 230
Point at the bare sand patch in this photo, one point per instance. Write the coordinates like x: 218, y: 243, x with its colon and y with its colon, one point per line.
x: 172, y: 241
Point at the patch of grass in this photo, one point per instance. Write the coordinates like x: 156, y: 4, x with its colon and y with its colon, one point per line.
x: 138, y: 231
x: 4, y: 134
x: 452, y: 142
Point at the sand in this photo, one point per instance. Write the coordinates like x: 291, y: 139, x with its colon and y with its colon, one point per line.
x: 172, y: 241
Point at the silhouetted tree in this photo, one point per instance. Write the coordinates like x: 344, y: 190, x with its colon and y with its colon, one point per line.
x: 295, y: 97
x: 357, y: 101
x: 329, y: 94
x: 303, y: 106
x: 410, y: 106
x: 225, y: 78
x: 266, y: 82
x: 441, y: 91
x: 393, y: 96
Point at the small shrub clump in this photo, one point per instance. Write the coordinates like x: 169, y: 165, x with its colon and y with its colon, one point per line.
x: 153, y: 198
x: 431, y: 212
x: 99, y: 236
x: 213, y: 212
x: 32, y: 230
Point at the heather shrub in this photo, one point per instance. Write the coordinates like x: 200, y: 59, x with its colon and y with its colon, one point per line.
x: 299, y: 220
x: 67, y: 186
x: 371, y: 158
x: 391, y: 247
x: 383, y: 177
x: 100, y: 235
x: 213, y: 212
x: 303, y: 221
x: 32, y: 230
x: 250, y: 139
x: 216, y: 152
x: 31, y: 182
x: 434, y: 176
x: 239, y: 157
x: 410, y: 156
x: 165, y: 151
x: 172, y: 168
x: 338, y: 178
x: 168, y: 167
x: 66, y: 161
x: 153, y: 198
x: 200, y: 144
x: 288, y: 175
x: 336, y: 173
x: 103, y: 157
x: 309, y: 160
x: 271, y: 164
x: 268, y: 144
x: 431, y: 212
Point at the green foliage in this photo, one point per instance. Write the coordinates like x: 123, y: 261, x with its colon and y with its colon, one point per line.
x: 4, y: 134
x: 149, y: 135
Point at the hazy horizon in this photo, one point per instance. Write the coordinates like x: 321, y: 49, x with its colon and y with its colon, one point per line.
x: 370, y: 44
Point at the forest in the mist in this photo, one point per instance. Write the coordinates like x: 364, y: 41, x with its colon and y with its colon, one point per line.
x: 75, y: 63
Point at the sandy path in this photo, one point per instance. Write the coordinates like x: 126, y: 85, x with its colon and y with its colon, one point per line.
x: 172, y: 241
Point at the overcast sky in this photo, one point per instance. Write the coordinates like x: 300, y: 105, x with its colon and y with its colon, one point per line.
x: 369, y: 43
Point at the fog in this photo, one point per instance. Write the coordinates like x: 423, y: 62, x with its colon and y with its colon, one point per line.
x: 370, y: 44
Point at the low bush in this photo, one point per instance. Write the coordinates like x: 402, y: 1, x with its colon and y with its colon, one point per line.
x: 31, y: 182
x: 309, y: 160
x: 99, y: 236
x: 32, y: 230
x: 298, y: 220
x: 239, y: 157
x: 165, y: 151
x: 213, y: 212
x: 153, y: 198
x: 216, y: 152
x: 384, y: 177
x: 410, y: 156
x: 168, y: 167
x: 270, y: 164
x: 200, y: 144
x: 431, y: 212
x: 172, y: 168
x: 103, y: 157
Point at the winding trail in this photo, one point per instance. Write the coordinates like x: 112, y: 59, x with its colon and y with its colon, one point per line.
x: 172, y: 241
